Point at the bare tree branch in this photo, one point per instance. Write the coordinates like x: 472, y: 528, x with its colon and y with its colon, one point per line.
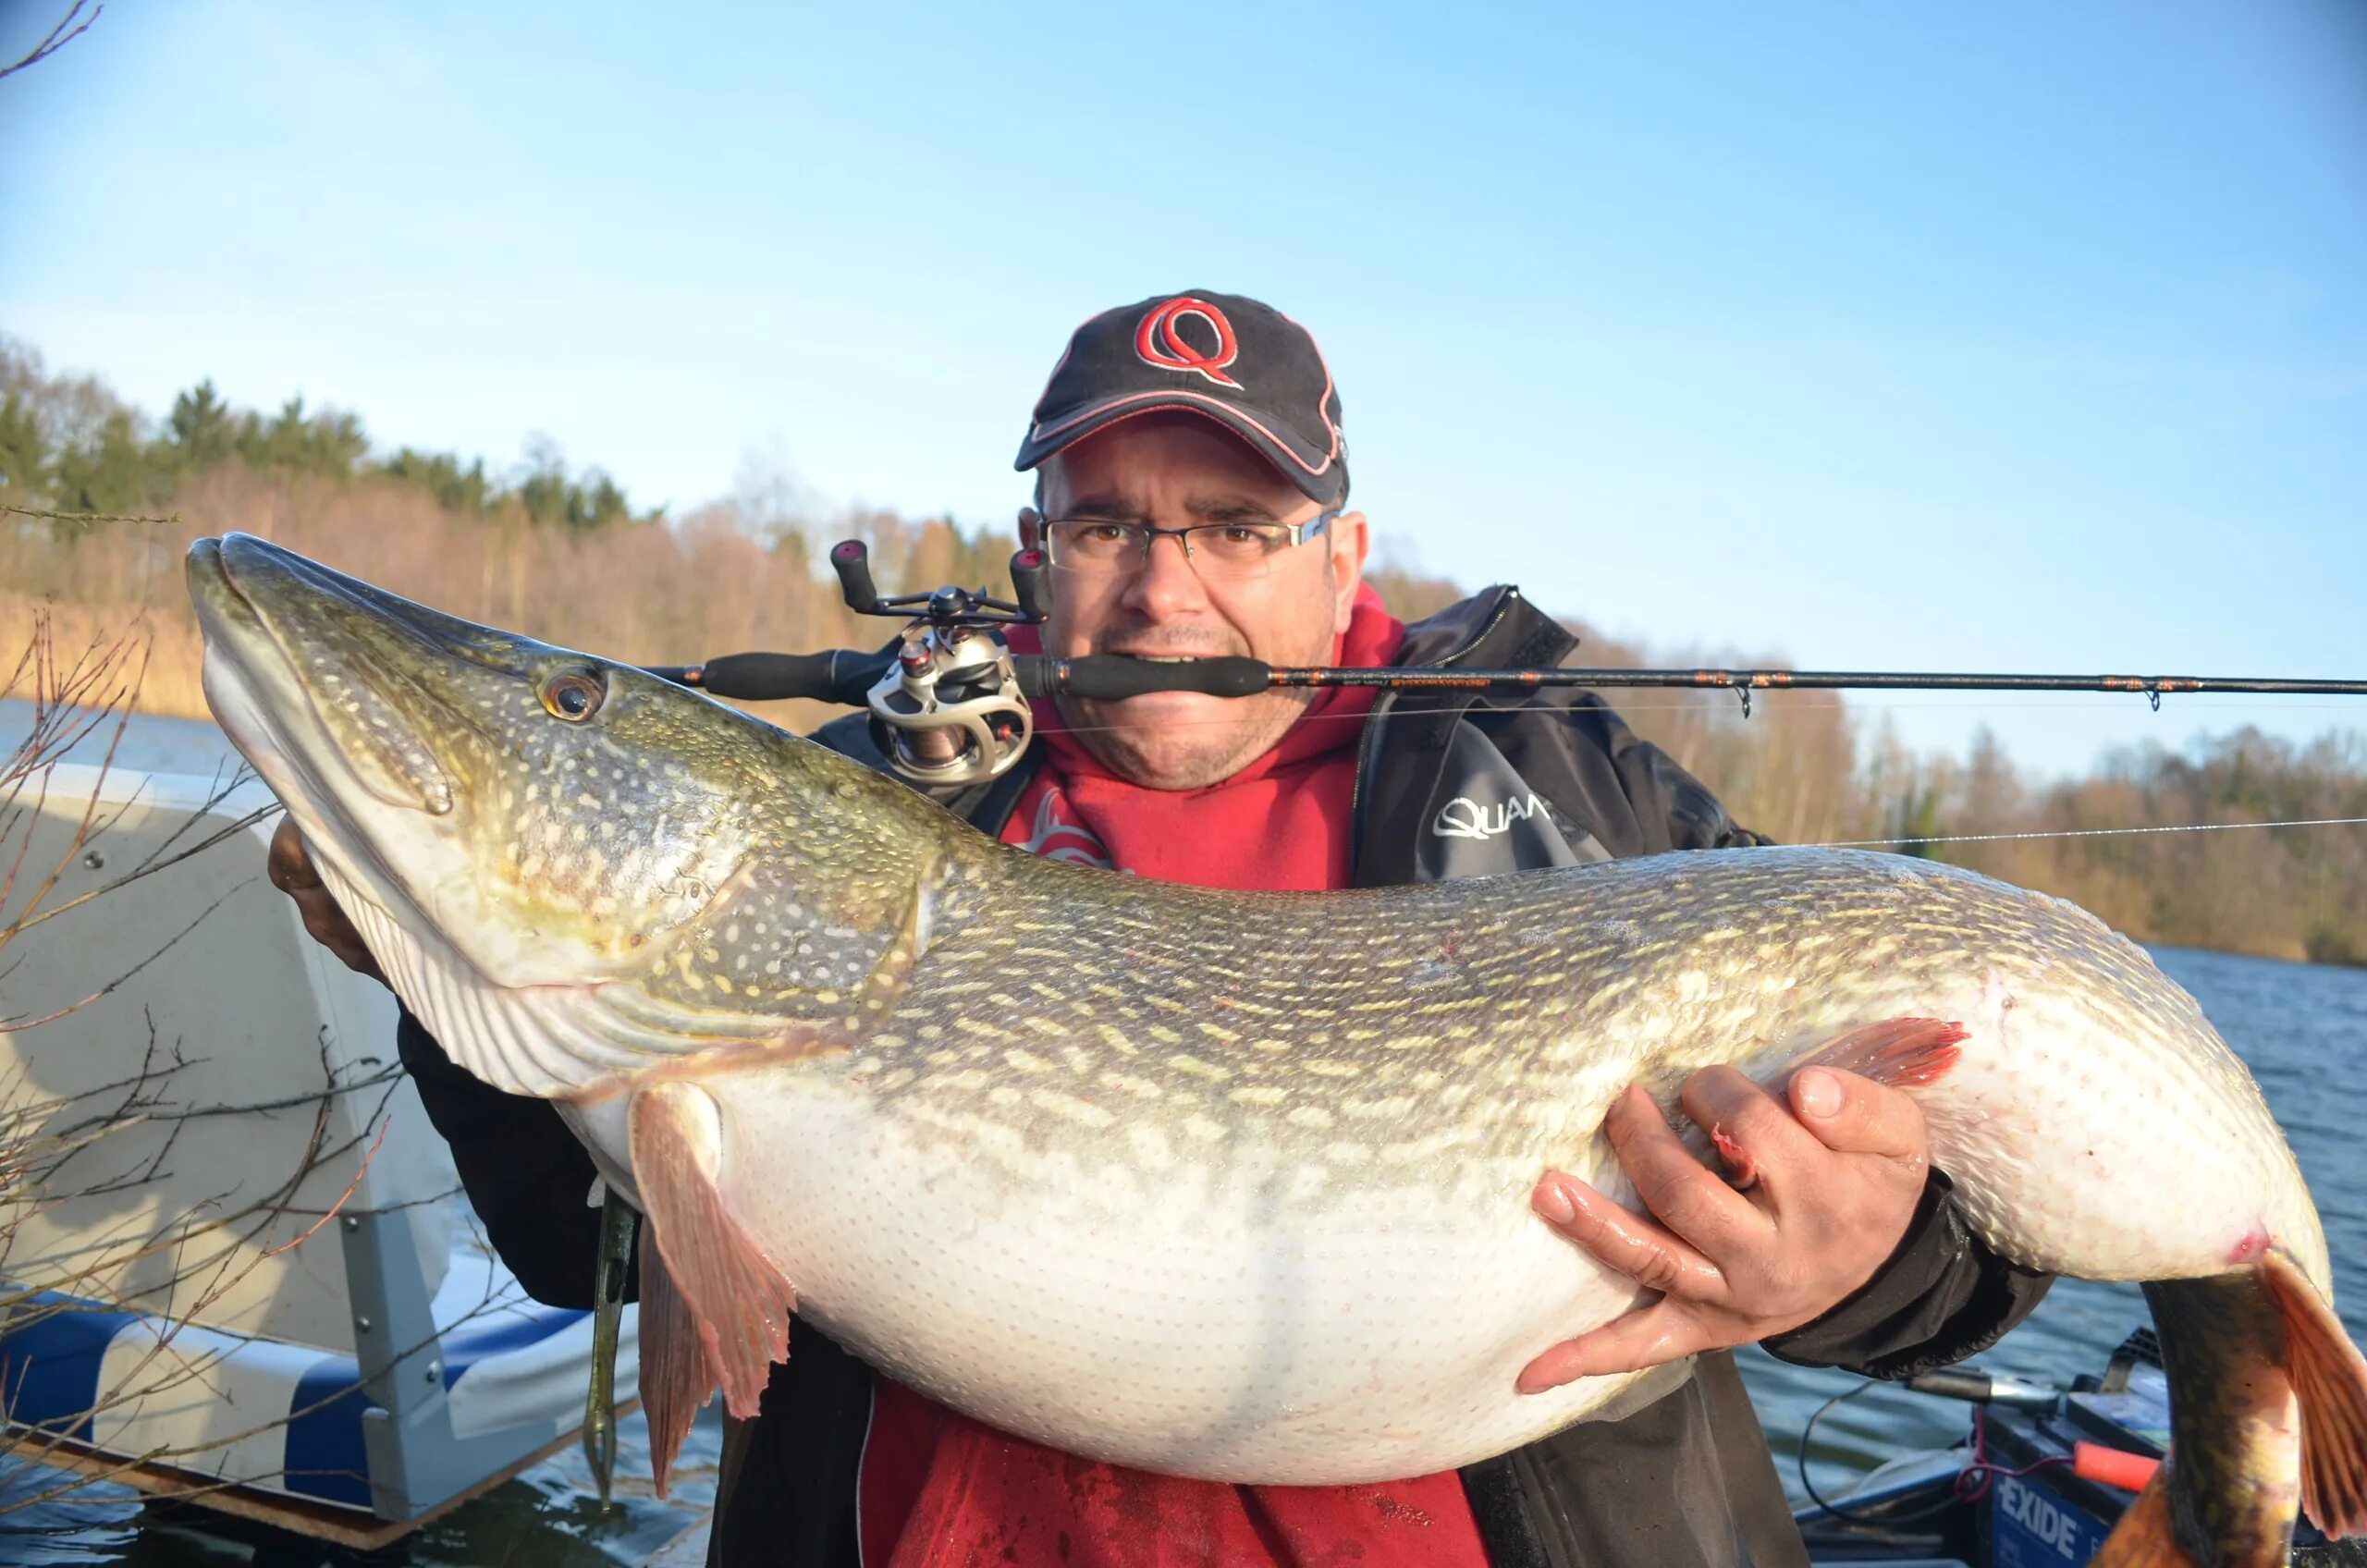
x: 78, y: 517
x: 185, y: 1261
x: 58, y: 39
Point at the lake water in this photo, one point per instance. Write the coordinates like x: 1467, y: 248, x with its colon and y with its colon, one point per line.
x: 2303, y: 1029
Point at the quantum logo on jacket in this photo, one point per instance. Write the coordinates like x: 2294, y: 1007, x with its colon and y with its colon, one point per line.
x: 1464, y: 817
x: 1055, y: 834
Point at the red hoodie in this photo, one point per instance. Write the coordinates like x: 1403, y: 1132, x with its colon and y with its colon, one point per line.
x: 937, y: 1489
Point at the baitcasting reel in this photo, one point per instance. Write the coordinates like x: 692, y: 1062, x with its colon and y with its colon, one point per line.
x: 948, y: 702
x: 949, y: 705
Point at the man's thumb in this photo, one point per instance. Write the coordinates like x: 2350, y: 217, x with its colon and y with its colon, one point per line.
x: 1854, y: 1115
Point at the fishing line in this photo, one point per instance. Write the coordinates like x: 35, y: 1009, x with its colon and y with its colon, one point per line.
x: 2084, y: 833
x: 1866, y: 843
x: 1827, y: 844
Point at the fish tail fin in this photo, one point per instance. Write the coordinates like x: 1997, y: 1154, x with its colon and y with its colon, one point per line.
x: 2329, y: 1378
x: 2268, y: 1404
x: 2143, y: 1538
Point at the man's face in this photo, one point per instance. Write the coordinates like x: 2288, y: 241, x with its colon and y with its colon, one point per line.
x: 1172, y: 471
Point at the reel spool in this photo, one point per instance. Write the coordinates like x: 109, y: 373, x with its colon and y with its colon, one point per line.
x: 950, y: 706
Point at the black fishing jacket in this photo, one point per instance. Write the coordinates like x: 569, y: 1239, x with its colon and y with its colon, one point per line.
x: 1447, y: 784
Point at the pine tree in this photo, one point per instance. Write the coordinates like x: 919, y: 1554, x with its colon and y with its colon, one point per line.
x: 23, y: 455
x: 201, y: 429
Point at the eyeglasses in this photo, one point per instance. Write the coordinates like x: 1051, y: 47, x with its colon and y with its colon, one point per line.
x: 1098, y: 547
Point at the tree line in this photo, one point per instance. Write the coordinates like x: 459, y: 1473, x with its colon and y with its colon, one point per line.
x: 69, y: 445
x: 568, y: 559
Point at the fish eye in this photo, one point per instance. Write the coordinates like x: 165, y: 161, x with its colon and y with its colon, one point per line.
x: 574, y: 696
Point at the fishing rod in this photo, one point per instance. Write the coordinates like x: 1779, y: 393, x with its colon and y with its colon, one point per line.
x: 951, y: 673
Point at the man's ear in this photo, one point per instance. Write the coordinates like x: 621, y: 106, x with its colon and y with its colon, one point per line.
x: 1351, y: 541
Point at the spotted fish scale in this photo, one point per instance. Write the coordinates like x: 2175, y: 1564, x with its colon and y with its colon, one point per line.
x: 1232, y: 1185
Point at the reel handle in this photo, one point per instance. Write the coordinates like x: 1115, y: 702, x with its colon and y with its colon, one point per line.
x: 1031, y: 584
x: 852, y: 561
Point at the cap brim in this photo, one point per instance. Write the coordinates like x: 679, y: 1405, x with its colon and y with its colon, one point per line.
x: 1322, y: 477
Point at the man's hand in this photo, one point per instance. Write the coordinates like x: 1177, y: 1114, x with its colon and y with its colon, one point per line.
x: 289, y: 866
x: 1816, y: 1197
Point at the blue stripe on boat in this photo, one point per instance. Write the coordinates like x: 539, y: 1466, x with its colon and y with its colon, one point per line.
x: 49, y: 1374
x: 326, y: 1458
x: 49, y: 1368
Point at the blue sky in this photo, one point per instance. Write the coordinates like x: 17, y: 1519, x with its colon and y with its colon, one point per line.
x: 1997, y: 336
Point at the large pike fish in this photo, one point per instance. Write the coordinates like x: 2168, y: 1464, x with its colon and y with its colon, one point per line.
x: 1227, y: 1185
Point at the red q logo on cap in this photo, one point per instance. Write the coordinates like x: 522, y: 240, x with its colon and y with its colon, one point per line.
x: 1159, y: 342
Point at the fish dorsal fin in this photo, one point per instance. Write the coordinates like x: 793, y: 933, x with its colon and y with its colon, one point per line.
x: 737, y: 1301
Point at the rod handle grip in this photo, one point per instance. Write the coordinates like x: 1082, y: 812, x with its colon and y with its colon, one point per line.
x: 1114, y: 678
x: 834, y: 675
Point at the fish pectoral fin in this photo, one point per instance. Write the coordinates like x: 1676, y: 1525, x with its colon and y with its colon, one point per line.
x: 2330, y: 1383
x: 737, y: 1301
x: 1905, y: 1053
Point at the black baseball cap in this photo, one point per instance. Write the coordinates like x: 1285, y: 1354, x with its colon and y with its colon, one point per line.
x: 1234, y: 359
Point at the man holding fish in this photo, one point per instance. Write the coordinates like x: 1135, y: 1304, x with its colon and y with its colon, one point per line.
x: 1191, y: 496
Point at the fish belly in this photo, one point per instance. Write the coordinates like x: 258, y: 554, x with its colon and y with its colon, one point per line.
x: 1238, y: 1316
x: 1205, y: 1321
x: 2080, y: 1146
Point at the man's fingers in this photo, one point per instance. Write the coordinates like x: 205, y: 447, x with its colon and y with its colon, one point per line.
x: 1682, y: 1193
x: 289, y: 864
x: 1754, y: 1131
x: 330, y: 928
x: 1663, y: 1331
x: 1645, y: 1253
x: 327, y: 924
x: 1854, y: 1115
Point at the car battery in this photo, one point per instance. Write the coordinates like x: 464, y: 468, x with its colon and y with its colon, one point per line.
x: 2044, y: 1517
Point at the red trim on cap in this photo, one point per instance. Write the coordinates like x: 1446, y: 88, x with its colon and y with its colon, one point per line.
x: 1324, y: 398
x: 1194, y: 403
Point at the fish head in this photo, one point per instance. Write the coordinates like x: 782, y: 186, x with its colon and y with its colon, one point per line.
x: 548, y: 814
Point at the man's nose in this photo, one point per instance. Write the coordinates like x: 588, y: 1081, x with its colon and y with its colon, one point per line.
x: 1166, y: 584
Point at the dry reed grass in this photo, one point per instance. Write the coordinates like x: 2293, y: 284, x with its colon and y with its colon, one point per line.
x: 649, y: 593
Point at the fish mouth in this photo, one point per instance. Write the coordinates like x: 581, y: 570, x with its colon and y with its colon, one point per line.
x: 251, y: 595
x: 304, y: 669
x: 389, y: 685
